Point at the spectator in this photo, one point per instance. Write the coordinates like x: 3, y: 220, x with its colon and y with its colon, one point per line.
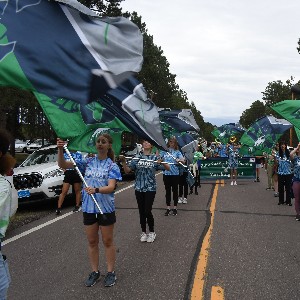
x: 283, y: 162
x: 7, y: 162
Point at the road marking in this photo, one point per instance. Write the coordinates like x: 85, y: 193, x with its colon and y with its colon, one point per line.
x: 200, y: 274
x: 16, y: 237
x: 217, y: 293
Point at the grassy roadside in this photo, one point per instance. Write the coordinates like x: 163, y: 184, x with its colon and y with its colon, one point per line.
x: 20, y: 157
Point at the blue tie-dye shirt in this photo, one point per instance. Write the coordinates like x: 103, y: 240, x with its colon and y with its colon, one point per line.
x: 174, y: 170
x: 296, y: 162
x: 145, y: 168
x: 233, y: 157
x: 284, y: 164
x: 97, y: 174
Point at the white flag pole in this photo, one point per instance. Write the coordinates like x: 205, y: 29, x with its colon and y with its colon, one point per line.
x: 81, y: 177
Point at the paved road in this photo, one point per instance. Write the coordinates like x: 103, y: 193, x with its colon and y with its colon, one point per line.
x: 232, y: 242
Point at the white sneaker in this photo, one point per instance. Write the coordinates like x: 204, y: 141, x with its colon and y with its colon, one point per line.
x: 151, y: 237
x: 184, y: 201
x: 231, y: 183
x: 235, y: 183
x: 180, y: 200
x: 144, y: 237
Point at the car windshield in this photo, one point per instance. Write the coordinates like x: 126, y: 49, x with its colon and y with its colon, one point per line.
x: 40, y: 157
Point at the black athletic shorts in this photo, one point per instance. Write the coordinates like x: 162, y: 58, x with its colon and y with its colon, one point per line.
x: 103, y: 220
x: 71, y: 176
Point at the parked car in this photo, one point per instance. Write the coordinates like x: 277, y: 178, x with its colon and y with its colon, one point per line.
x: 39, y: 177
x: 36, y: 144
x: 21, y: 146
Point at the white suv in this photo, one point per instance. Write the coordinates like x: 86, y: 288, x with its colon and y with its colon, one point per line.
x: 39, y: 176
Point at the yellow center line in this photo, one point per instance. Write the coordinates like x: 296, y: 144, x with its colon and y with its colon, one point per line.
x: 200, y: 274
x: 217, y: 293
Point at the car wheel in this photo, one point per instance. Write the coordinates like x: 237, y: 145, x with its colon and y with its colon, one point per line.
x: 25, y: 150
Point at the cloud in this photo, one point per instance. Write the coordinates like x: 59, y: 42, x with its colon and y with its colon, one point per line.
x: 224, y: 53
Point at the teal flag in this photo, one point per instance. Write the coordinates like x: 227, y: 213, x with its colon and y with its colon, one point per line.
x: 227, y: 131
x: 262, y: 135
x: 289, y: 110
x: 81, y: 124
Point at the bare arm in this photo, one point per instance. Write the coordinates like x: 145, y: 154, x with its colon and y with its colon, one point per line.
x: 104, y: 189
x: 62, y: 163
x: 293, y: 152
x: 125, y: 167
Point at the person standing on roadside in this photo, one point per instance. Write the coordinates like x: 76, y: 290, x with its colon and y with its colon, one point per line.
x: 7, y: 162
x: 71, y: 179
x: 295, y: 157
x: 283, y: 163
x: 145, y: 165
x: 270, y: 161
x: 171, y: 177
x: 101, y: 176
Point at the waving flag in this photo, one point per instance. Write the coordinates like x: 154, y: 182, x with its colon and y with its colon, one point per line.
x: 263, y: 135
x: 129, y: 103
x: 289, y: 110
x: 188, y: 145
x: 181, y: 120
x: 51, y: 48
x: 81, y: 124
x: 224, y: 132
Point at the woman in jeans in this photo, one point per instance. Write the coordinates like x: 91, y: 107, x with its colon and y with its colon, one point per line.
x: 283, y: 163
x: 7, y: 162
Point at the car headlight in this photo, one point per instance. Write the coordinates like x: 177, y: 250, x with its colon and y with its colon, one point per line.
x: 54, y: 173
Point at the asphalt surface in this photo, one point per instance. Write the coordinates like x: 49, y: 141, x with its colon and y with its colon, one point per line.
x: 253, y: 253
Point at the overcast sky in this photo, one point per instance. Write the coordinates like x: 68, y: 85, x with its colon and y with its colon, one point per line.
x: 224, y: 52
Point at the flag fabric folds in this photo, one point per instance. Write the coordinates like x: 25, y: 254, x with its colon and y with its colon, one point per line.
x: 181, y: 120
x: 289, y: 110
x: 50, y: 47
x: 262, y: 135
x: 224, y: 132
x: 188, y: 145
x: 81, y: 124
x: 129, y: 103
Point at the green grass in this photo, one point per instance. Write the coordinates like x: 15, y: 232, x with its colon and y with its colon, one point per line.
x: 20, y: 157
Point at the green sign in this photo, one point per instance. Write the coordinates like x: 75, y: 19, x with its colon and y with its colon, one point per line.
x: 217, y: 168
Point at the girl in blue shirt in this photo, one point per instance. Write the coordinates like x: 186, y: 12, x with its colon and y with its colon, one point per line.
x: 295, y: 157
x: 101, y: 176
x: 145, y: 165
x: 171, y: 177
x: 283, y: 162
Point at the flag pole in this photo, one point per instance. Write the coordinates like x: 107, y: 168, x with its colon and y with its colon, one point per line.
x: 81, y: 177
x: 143, y: 159
x: 180, y: 163
x: 291, y: 129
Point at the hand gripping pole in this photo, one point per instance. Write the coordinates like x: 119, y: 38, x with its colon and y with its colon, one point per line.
x: 81, y: 177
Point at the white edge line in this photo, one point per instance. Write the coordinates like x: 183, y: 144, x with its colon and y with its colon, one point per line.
x: 16, y: 237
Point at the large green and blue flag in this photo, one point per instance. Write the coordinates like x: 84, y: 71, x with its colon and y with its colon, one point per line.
x: 180, y: 120
x: 226, y: 131
x: 51, y: 47
x: 262, y: 135
x: 289, y: 110
x: 81, y: 124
